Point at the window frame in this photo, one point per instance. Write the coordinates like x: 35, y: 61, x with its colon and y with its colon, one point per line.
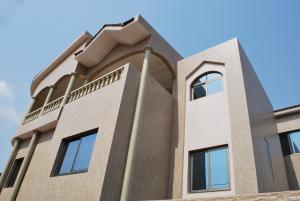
x: 63, y: 149
x: 285, y: 137
x: 190, y: 182
x: 205, y: 84
x: 11, y: 171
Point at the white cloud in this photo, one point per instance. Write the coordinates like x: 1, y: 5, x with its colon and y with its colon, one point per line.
x: 5, y: 90
x: 8, y: 112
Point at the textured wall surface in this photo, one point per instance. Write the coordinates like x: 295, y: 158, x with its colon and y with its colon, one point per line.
x: 276, y: 196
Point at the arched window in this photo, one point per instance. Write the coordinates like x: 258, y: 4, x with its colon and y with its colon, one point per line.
x: 206, y: 84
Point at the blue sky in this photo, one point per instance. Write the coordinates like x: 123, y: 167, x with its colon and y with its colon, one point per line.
x: 33, y: 33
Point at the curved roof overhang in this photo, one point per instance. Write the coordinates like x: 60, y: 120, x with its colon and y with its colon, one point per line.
x: 128, y: 33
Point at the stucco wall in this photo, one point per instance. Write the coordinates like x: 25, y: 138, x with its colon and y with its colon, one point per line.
x: 207, y: 124
x: 271, y: 177
x: 152, y: 154
x: 99, y: 109
x: 244, y: 170
x: 288, y: 123
x: 67, y: 66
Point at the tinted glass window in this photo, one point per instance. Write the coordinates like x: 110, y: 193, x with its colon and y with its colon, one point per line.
x: 295, y: 141
x: 69, y: 158
x: 290, y: 142
x: 209, y: 169
x: 200, y: 170
x: 214, y: 86
x: 14, y: 173
x: 84, y: 153
x: 77, y: 154
x: 205, y: 85
x: 199, y: 92
x: 218, y: 169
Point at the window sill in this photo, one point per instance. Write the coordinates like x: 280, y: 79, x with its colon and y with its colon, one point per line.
x: 66, y: 174
x: 210, y: 191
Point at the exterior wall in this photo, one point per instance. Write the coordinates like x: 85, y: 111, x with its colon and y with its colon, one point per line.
x: 242, y: 154
x: 271, y: 177
x: 67, y: 66
x: 207, y: 124
x: 153, y: 145
x: 99, y: 109
x: 292, y: 162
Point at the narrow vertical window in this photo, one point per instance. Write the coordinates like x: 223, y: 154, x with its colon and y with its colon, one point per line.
x: 13, y: 173
x: 209, y: 170
x: 206, y: 84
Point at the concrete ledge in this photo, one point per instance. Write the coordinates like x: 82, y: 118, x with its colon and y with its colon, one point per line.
x: 284, y: 195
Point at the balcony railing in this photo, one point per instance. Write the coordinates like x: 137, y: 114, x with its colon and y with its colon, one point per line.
x: 96, y: 84
x: 32, y: 115
x: 77, y: 93
x: 52, y: 105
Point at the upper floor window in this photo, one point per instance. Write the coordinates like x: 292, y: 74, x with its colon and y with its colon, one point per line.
x: 75, y: 155
x: 206, y: 84
x: 290, y: 142
x: 209, y: 170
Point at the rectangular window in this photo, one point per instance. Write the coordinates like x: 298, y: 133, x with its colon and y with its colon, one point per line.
x: 290, y: 142
x: 75, y: 155
x: 209, y: 170
x: 13, y: 173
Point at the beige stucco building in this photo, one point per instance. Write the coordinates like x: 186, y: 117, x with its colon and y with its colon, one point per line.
x: 122, y: 116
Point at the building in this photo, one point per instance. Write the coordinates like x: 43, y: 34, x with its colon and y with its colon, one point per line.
x: 122, y: 116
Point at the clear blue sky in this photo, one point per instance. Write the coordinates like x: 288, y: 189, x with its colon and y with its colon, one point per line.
x: 34, y: 32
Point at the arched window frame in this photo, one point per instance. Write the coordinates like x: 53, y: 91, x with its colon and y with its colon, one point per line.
x: 205, y: 83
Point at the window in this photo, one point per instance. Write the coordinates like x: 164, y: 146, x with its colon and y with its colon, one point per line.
x: 75, y: 155
x: 290, y: 142
x: 13, y: 173
x: 206, y: 84
x: 209, y: 170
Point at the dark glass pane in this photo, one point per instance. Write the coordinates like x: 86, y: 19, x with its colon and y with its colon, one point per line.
x: 14, y: 172
x: 219, y: 169
x: 284, y: 141
x: 199, y: 171
x: 66, y: 166
x: 295, y: 140
x: 84, y: 154
x: 212, y: 76
x: 198, y: 92
x: 214, y: 86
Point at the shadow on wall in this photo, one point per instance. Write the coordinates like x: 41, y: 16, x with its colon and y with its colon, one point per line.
x: 291, y: 173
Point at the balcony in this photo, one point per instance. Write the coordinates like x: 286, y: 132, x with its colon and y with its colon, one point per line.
x: 47, y: 116
x: 75, y: 94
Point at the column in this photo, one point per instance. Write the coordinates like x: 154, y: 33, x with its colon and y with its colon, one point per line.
x: 29, y: 107
x: 49, y: 95
x: 127, y: 181
x: 69, y: 88
x: 24, y: 166
x: 9, y: 162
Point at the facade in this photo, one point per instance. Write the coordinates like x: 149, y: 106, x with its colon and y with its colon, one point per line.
x: 122, y: 116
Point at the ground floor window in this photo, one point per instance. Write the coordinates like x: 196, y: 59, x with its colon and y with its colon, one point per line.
x: 75, y: 154
x: 209, y: 169
x: 290, y: 142
x: 12, y: 176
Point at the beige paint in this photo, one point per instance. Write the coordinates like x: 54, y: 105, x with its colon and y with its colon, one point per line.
x: 290, y: 122
x: 263, y: 125
x: 207, y: 124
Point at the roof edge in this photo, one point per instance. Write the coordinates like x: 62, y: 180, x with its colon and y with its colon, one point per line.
x: 65, y: 53
x: 287, y: 111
